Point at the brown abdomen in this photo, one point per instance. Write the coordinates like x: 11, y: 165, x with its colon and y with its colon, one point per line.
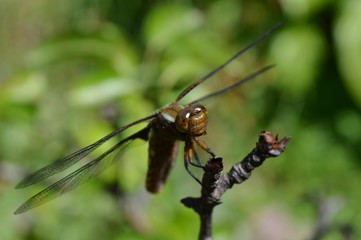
x: 163, y: 148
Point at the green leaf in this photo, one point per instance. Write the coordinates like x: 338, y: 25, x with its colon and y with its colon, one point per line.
x: 348, y: 42
x: 298, y: 52
x: 168, y: 22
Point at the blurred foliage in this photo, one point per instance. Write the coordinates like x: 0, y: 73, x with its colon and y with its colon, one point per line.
x: 73, y: 71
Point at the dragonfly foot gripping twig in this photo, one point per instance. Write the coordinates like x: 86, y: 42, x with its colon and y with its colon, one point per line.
x: 215, y: 184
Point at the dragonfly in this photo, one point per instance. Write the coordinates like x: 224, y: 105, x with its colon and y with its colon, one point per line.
x: 166, y: 127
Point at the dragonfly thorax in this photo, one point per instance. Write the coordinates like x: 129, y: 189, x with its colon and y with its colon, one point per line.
x: 192, y: 120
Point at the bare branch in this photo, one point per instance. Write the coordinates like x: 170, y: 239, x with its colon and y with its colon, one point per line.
x: 215, y: 184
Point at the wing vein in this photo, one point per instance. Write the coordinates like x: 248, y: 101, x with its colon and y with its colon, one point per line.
x: 68, y: 161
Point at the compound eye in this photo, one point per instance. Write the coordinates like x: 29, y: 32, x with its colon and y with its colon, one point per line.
x: 192, y: 120
x: 182, y: 120
x: 197, y: 110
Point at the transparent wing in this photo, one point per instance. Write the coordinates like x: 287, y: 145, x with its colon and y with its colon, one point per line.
x: 79, y: 176
x: 235, y: 84
x: 68, y: 161
x: 210, y: 74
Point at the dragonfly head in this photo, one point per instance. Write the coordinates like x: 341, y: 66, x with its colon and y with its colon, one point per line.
x: 192, y: 120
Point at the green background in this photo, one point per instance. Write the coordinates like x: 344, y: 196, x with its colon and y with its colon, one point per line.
x: 72, y: 71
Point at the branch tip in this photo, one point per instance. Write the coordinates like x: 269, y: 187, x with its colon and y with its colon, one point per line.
x: 270, y: 145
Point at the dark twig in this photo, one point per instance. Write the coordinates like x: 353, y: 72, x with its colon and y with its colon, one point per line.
x: 215, y: 184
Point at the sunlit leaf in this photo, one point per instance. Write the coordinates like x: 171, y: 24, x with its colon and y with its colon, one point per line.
x: 348, y: 43
x: 297, y: 51
x: 167, y: 22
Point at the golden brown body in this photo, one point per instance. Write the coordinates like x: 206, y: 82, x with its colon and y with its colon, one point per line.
x: 173, y: 123
x: 162, y: 153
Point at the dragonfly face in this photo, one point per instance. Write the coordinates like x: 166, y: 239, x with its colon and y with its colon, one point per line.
x: 166, y: 128
x: 192, y: 120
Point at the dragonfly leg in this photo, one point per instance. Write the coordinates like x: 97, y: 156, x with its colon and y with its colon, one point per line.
x: 198, y: 164
x: 188, y: 153
x: 204, y: 147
